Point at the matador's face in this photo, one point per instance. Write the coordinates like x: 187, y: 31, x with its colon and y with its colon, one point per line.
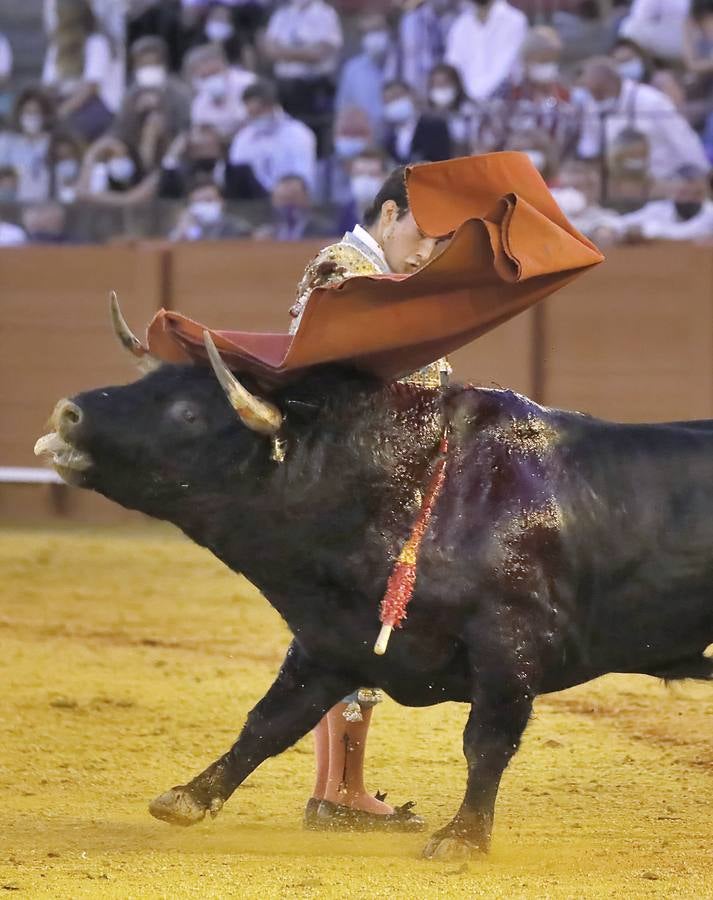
x: 405, y: 246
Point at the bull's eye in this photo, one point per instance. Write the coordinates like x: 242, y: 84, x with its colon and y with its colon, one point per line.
x: 184, y: 412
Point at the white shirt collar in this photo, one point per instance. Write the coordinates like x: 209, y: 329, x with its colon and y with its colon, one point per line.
x: 361, y: 234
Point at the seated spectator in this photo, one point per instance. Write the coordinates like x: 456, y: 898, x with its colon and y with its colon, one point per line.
x: 222, y: 28
x: 686, y: 215
x: 81, y: 70
x: 484, y: 45
x: 362, y: 78
x: 698, y: 60
x: 45, y: 223
x: 218, y: 97
x: 112, y: 174
x: 423, y: 31
x: 539, y: 145
x: 293, y: 215
x: 199, y: 151
x: 367, y: 172
x: 24, y: 145
x: 65, y: 160
x: 270, y: 145
x: 302, y: 41
x: 413, y: 136
x: 536, y: 97
x: 634, y: 63
x: 614, y: 104
x: 152, y: 89
x: 657, y: 26
x: 5, y: 73
x: 577, y: 190
x: 205, y: 217
x: 447, y: 99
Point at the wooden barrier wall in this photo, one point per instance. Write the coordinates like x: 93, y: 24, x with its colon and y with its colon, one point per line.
x: 632, y: 340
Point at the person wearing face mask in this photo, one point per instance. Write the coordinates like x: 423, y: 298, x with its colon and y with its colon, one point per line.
x: 611, y: 104
x: 25, y: 145
x: 366, y: 173
x: 352, y: 135
x: 199, y: 151
x: 271, y: 144
x: 413, y: 136
x: 151, y: 80
x: 634, y: 64
x: 447, y: 99
x: 686, y: 215
x: 218, y: 89
x: 205, y: 218
x: 112, y: 175
x: 65, y: 159
x: 389, y: 241
x: 362, y: 79
x: 293, y: 216
x: 536, y: 98
x: 484, y: 45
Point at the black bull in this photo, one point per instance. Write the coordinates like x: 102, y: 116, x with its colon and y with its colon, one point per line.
x: 561, y: 548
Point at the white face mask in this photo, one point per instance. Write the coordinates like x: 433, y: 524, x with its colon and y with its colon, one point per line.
x: 215, y: 86
x: 543, y: 73
x: 632, y: 68
x: 150, y: 76
x: 376, y: 43
x: 120, y: 168
x: 32, y: 123
x: 218, y: 31
x: 66, y: 193
x: 206, y: 212
x: 364, y: 188
x: 443, y: 97
x: 347, y: 146
x: 66, y: 170
x: 399, y: 111
x: 537, y: 158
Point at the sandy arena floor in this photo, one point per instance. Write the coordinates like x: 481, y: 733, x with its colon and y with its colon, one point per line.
x: 129, y: 661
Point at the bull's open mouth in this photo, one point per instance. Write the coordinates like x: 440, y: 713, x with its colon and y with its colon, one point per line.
x: 67, y: 460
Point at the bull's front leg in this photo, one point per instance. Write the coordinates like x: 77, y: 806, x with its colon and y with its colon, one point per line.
x: 298, y: 698
x: 501, y: 707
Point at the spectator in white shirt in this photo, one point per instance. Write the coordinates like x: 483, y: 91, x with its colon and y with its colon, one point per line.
x: 269, y: 146
x: 81, y: 69
x: 687, y: 215
x: 613, y: 104
x: 218, y: 99
x: 657, y: 26
x: 303, y: 41
x: 484, y: 45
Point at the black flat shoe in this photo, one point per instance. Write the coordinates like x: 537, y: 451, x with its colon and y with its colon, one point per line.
x: 310, y: 819
x: 332, y: 817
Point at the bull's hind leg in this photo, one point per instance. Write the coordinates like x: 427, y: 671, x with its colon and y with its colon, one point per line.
x: 499, y: 713
x: 296, y: 701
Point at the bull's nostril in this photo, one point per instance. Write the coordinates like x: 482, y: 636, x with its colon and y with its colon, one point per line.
x: 69, y: 416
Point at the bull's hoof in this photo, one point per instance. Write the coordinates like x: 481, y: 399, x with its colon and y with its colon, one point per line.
x: 450, y: 847
x: 179, y: 807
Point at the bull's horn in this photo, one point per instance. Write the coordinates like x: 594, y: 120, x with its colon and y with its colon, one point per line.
x: 260, y: 415
x: 129, y: 341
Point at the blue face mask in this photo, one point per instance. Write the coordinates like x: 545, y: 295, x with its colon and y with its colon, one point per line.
x: 347, y: 146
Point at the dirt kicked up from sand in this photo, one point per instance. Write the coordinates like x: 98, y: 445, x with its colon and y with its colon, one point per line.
x: 128, y: 661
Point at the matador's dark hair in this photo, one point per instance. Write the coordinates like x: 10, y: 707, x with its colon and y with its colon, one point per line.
x: 394, y: 188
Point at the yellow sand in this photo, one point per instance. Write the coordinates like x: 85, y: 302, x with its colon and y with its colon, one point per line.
x: 128, y: 661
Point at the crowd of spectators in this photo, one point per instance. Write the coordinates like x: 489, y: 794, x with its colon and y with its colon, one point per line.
x: 280, y: 118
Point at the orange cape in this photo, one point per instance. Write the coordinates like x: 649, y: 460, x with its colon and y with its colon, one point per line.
x: 511, y: 247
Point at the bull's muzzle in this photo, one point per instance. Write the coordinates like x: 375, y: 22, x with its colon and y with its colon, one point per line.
x: 59, y: 444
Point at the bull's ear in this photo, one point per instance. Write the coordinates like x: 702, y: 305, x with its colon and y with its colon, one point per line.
x: 259, y: 415
x: 128, y: 340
